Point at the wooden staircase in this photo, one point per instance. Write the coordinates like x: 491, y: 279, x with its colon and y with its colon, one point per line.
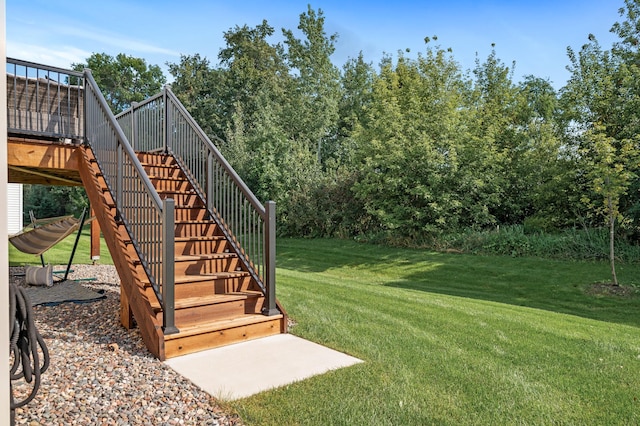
x: 217, y: 301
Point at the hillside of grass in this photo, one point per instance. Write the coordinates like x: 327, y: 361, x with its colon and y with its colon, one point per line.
x: 455, y: 339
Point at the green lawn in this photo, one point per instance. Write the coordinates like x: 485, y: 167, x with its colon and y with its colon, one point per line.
x: 59, y: 254
x: 455, y: 339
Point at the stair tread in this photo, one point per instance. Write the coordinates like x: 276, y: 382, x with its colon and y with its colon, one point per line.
x: 165, y: 165
x: 204, y: 277
x: 195, y: 222
x: 175, y: 191
x: 200, y: 238
x: 208, y: 256
x: 212, y: 299
x: 184, y: 279
x: 195, y: 257
x: 171, y: 178
x: 222, y: 324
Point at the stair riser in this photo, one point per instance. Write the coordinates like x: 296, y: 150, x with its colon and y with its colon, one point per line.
x: 183, y: 200
x: 186, y: 214
x: 200, y: 247
x: 191, y: 344
x: 156, y: 159
x: 206, y: 288
x: 171, y: 185
x: 196, y: 229
x: 165, y: 172
x: 220, y: 311
x: 209, y: 266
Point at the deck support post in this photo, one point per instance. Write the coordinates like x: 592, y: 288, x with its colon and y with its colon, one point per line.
x: 168, y: 267
x: 270, y: 260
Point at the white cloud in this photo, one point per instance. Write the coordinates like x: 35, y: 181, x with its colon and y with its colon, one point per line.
x: 123, y: 44
x: 58, y: 56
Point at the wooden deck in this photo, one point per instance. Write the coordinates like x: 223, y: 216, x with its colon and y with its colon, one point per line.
x: 42, y: 162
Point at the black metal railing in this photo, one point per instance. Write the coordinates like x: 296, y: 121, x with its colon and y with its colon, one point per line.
x: 52, y: 102
x: 148, y: 219
x: 161, y: 123
x: 44, y: 101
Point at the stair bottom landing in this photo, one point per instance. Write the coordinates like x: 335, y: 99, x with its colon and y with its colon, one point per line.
x: 221, y: 333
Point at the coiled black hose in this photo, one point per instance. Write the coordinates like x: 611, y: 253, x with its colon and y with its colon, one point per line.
x: 24, y: 343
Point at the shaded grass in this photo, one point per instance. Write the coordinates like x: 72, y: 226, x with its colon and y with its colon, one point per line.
x: 59, y: 254
x: 568, y: 244
x: 454, y: 339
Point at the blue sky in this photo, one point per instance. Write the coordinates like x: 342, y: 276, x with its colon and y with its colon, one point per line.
x: 533, y: 34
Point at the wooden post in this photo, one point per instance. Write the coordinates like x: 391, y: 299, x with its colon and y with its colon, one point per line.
x: 95, y: 239
x: 126, y: 314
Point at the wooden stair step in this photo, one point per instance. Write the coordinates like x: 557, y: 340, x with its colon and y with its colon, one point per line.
x: 200, y: 238
x: 185, y: 279
x: 212, y: 326
x: 189, y: 228
x: 181, y: 279
x: 168, y: 178
x: 212, y: 299
x: 196, y: 257
x: 195, y: 222
x: 147, y: 163
x: 208, y: 256
x: 177, y: 192
x: 221, y: 333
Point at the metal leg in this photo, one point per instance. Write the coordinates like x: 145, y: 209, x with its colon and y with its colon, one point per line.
x: 75, y: 244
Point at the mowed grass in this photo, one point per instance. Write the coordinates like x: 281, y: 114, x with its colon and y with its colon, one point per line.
x: 454, y: 339
x: 59, y: 253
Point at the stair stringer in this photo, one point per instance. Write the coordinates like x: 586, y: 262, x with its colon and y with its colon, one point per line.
x: 133, y: 298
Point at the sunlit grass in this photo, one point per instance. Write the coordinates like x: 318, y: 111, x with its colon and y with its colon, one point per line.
x: 59, y: 254
x: 454, y: 339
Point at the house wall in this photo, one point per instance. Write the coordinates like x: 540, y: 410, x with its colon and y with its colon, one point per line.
x: 4, y: 248
x: 15, y: 208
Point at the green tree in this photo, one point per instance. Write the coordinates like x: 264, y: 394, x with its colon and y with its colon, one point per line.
x: 409, y: 149
x: 313, y: 108
x: 52, y: 201
x: 196, y: 85
x: 357, y: 96
x: 495, y: 138
x: 609, y: 164
x: 601, y: 101
x: 539, y: 160
x: 123, y: 79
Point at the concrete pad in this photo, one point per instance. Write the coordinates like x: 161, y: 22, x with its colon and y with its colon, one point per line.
x: 244, y: 369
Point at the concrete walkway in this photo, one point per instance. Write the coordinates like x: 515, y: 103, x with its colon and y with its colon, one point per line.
x: 244, y: 369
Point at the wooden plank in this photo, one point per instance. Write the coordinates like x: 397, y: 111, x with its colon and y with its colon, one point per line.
x: 181, y: 344
x: 130, y: 283
x: 95, y: 238
x: 46, y: 155
x: 126, y: 314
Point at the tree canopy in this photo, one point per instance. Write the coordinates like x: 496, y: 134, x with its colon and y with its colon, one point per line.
x: 416, y: 147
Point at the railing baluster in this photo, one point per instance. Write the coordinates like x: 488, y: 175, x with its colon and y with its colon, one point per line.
x: 248, y: 225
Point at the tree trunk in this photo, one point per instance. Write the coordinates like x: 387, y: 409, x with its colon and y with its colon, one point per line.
x: 612, y: 257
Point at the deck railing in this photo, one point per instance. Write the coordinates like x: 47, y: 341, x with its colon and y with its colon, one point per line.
x: 44, y: 101
x: 161, y: 123
x: 51, y: 102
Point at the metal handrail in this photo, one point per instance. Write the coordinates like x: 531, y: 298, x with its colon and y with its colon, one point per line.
x: 148, y: 219
x: 162, y: 123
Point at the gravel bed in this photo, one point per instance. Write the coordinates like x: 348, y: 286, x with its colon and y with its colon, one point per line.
x: 102, y: 374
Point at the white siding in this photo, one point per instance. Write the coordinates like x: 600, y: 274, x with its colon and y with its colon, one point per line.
x: 14, y: 203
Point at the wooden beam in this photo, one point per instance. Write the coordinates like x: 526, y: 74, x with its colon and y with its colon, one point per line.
x: 41, y: 154
x: 51, y: 179
x: 95, y: 238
